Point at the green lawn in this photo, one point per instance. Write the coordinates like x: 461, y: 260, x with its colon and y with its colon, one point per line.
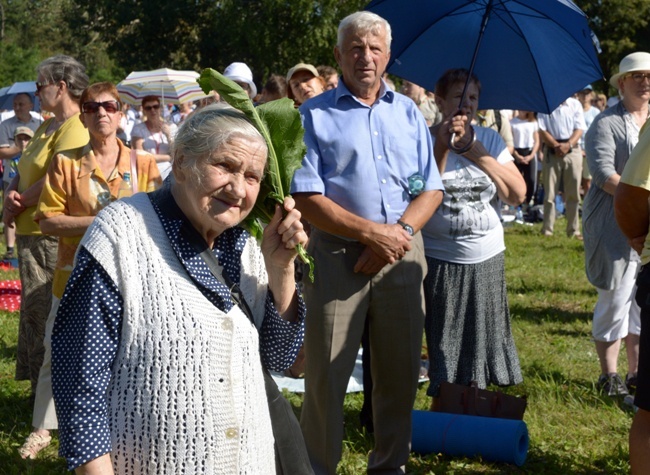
x: 573, y: 430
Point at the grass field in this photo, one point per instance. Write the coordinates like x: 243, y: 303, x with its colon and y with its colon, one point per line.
x: 573, y: 429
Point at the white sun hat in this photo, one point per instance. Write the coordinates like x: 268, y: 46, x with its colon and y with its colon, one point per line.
x: 639, y: 61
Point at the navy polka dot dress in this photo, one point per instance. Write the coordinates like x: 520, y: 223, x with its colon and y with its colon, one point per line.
x: 87, y: 329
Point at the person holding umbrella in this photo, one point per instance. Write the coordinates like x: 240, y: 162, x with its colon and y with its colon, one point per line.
x: 467, y: 317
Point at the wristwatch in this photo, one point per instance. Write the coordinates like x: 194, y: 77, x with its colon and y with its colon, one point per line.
x: 406, y: 227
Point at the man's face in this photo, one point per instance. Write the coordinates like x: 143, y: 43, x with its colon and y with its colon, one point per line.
x: 22, y: 106
x: 363, y: 57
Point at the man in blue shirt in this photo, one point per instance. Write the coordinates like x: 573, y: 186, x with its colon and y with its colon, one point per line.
x: 364, y: 142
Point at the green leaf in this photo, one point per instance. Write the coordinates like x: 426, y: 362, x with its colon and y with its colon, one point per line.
x: 280, y: 124
x: 284, y: 124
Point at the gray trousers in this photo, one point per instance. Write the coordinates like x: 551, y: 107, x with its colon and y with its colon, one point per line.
x: 338, y: 304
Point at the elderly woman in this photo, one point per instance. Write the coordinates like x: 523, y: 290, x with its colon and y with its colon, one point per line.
x: 78, y: 184
x: 467, y: 317
x: 303, y: 83
x: 174, y: 382
x: 611, y: 264
x: 60, y: 82
x: 153, y: 135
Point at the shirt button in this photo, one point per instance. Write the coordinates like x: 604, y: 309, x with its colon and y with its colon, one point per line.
x: 387, y: 206
x: 383, y: 181
x: 378, y: 157
x: 376, y: 133
x: 227, y: 325
x: 231, y: 433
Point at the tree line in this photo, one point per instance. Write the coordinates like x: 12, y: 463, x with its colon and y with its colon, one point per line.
x: 115, y: 37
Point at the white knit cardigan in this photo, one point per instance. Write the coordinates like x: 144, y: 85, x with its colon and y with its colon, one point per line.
x: 187, y: 391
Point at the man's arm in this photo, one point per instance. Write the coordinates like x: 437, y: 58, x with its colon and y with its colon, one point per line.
x: 8, y: 152
x: 389, y: 241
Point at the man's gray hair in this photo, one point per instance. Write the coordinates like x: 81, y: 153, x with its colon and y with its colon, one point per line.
x: 364, y: 22
x: 67, y: 69
x: 204, y: 132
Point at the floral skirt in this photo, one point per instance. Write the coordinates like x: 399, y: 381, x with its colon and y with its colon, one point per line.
x: 467, y: 325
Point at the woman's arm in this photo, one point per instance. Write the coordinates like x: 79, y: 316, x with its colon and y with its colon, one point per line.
x: 632, y: 210
x: 281, y: 236
x: 100, y: 466
x: 90, y: 311
x: 537, y: 143
x: 64, y: 225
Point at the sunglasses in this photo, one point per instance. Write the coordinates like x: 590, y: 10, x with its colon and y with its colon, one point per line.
x: 41, y: 85
x: 152, y: 108
x: 639, y: 77
x: 110, y: 107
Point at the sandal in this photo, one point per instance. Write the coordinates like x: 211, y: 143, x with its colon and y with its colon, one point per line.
x: 33, y: 445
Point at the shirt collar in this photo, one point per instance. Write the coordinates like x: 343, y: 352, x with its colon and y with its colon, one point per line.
x: 385, y: 92
x: 88, y: 163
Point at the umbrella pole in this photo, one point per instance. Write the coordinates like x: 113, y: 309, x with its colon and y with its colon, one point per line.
x: 484, y: 22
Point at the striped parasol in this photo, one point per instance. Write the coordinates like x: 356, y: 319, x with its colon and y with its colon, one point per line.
x: 170, y: 85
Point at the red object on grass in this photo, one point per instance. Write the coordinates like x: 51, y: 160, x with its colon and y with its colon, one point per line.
x: 10, y: 295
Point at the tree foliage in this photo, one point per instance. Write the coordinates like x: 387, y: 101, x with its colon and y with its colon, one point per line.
x: 269, y: 35
x: 621, y: 27
x: 115, y: 37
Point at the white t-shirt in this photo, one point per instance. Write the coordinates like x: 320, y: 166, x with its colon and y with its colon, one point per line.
x: 466, y: 228
x: 564, y: 120
x: 523, y: 132
x: 155, y: 143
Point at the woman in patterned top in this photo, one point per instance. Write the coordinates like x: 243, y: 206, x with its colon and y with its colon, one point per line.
x: 155, y: 368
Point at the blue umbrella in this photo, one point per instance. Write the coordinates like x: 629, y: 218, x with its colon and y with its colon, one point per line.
x: 528, y: 54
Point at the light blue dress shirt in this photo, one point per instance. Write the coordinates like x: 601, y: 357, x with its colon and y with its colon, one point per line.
x: 361, y: 156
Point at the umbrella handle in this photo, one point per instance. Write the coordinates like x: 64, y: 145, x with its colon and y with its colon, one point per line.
x: 465, y: 148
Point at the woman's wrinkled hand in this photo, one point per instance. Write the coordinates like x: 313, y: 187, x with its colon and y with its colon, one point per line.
x: 282, y: 235
x: 12, y: 208
x: 457, y: 124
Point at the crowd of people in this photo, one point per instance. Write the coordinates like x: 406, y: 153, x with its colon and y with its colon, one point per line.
x: 149, y: 316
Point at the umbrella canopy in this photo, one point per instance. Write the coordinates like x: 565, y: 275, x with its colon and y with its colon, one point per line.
x: 21, y: 87
x: 528, y: 54
x: 170, y: 85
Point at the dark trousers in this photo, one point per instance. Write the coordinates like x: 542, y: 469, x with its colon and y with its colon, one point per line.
x: 642, y: 398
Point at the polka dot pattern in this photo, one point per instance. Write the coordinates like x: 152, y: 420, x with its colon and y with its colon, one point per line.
x: 87, y: 334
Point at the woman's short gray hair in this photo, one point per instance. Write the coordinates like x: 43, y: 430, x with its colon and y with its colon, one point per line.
x: 204, y: 132
x: 364, y: 22
x: 67, y: 69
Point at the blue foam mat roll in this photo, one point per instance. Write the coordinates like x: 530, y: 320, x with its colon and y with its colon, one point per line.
x: 496, y: 440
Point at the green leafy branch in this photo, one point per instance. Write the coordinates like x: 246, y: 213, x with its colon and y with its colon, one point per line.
x: 280, y: 125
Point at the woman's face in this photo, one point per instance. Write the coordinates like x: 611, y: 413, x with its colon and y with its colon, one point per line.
x: 48, y: 93
x: 229, y: 185
x: 100, y: 115
x: 450, y: 104
x: 151, y: 110
x: 635, y: 86
x: 304, y: 85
